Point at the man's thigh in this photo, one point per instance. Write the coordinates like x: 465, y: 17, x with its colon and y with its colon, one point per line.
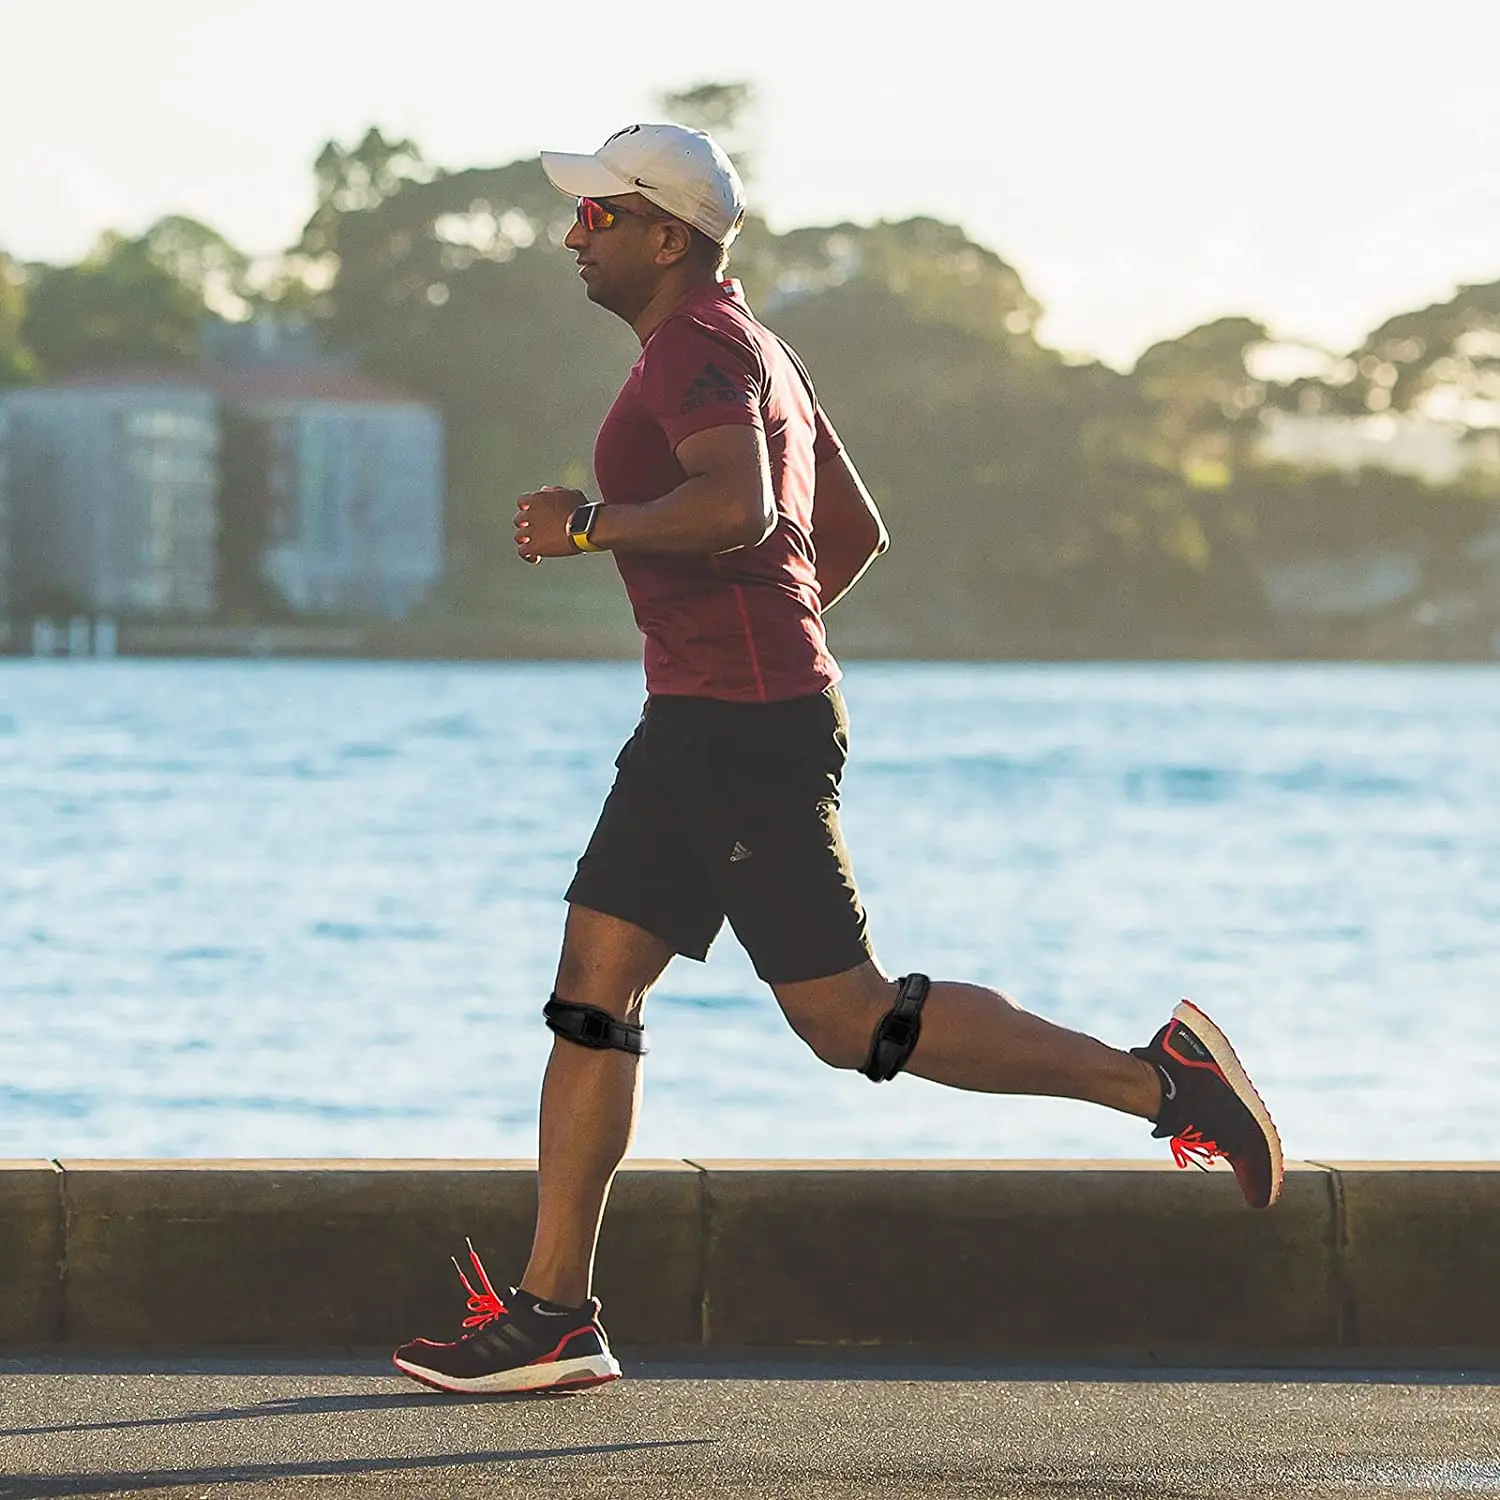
x: 732, y: 809
x: 644, y: 863
x: 792, y: 899
x: 785, y: 875
x: 608, y: 962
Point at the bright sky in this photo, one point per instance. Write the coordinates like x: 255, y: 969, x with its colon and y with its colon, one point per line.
x: 1318, y: 164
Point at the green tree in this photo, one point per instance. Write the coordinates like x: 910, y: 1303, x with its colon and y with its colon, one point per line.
x: 119, y: 306
x: 1435, y: 361
x: 201, y: 259
x: 349, y: 182
x: 932, y: 268
x: 17, y: 363
x: 971, y: 436
x: 1439, y: 358
x: 1205, y: 403
x: 457, y: 287
x: 352, y: 180
x: 726, y: 111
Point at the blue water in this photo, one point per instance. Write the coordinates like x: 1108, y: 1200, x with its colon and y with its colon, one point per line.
x: 292, y: 909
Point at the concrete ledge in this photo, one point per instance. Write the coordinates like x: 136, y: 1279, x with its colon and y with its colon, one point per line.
x: 1047, y: 1259
x: 31, y: 1252
x: 1016, y: 1256
x: 1420, y: 1253
x: 346, y: 1252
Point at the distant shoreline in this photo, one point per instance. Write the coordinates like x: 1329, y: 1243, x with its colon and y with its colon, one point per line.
x: 477, y: 641
x: 331, y: 646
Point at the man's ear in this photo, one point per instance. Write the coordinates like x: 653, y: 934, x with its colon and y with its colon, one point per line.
x: 676, y: 242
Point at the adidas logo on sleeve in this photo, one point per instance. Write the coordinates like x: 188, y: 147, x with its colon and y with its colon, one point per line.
x: 708, y: 387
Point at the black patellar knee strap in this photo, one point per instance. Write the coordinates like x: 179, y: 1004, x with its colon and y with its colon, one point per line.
x: 591, y: 1027
x: 896, y: 1036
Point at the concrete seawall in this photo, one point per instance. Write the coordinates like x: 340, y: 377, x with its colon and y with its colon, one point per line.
x: 1053, y: 1259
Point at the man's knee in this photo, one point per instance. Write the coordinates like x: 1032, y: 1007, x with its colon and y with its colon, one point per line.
x: 588, y: 1026
x: 580, y: 980
x: 608, y: 963
x: 832, y: 1040
x: 837, y: 1016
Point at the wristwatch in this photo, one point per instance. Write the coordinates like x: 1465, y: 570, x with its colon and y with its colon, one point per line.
x: 581, y: 523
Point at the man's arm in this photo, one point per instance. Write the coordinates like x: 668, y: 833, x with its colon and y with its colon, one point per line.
x: 726, y: 502
x: 848, y: 533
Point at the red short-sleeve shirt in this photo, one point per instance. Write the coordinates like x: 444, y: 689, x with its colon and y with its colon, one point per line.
x: 744, y: 626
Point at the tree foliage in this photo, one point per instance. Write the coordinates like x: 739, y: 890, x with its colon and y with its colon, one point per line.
x: 725, y: 110
x: 202, y: 260
x: 18, y: 364
x: 1442, y: 357
x: 120, y: 306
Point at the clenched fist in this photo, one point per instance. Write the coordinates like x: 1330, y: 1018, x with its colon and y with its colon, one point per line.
x: 541, y: 523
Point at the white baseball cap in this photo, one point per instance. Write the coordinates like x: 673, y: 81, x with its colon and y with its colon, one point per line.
x: 680, y: 170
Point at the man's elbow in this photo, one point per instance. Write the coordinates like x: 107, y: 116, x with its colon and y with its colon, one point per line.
x: 756, y: 521
x: 876, y: 538
x: 763, y: 527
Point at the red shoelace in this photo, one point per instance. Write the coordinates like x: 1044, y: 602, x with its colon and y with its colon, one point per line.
x: 485, y: 1306
x: 1190, y: 1148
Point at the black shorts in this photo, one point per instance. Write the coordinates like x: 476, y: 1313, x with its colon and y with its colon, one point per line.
x: 731, y: 810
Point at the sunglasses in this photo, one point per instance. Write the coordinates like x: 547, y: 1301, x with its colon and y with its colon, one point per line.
x: 594, y: 215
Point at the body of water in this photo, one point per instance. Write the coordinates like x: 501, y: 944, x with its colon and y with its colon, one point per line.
x: 306, y: 909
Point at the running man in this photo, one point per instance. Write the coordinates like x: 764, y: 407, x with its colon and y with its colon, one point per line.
x: 735, y: 519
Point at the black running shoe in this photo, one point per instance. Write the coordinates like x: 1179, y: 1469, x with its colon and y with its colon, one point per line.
x: 1209, y: 1106
x: 515, y: 1342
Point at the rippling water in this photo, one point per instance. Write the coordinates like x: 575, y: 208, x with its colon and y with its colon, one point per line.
x: 271, y: 908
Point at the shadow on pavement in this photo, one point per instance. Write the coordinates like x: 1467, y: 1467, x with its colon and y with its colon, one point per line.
x: 45, y: 1486
x: 285, y: 1406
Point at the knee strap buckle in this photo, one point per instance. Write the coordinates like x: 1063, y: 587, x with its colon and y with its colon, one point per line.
x: 591, y: 1027
x: 896, y: 1037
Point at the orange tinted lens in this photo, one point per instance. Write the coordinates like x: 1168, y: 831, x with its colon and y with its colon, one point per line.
x: 594, y: 216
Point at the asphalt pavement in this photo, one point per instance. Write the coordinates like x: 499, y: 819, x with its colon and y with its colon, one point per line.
x: 297, y: 1425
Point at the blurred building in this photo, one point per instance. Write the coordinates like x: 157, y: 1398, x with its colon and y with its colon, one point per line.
x: 112, y: 498
x: 336, y: 485
x: 270, y: 478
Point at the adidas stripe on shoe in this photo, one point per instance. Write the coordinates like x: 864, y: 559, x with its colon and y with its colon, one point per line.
x: 514, y: 1343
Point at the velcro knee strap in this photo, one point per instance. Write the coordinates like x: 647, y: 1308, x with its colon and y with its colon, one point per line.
x: 591, y: 1027
x: 896, y: 1037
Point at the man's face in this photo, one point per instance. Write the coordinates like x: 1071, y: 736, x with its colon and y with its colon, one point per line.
x: 621, y: 265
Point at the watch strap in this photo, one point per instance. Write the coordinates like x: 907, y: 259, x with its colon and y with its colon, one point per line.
x: 581, y: 523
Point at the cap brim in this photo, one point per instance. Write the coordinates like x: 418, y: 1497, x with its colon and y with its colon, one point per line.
x: 582, y: 176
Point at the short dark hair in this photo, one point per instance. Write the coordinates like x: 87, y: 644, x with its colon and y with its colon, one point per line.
x: 708, y: 252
